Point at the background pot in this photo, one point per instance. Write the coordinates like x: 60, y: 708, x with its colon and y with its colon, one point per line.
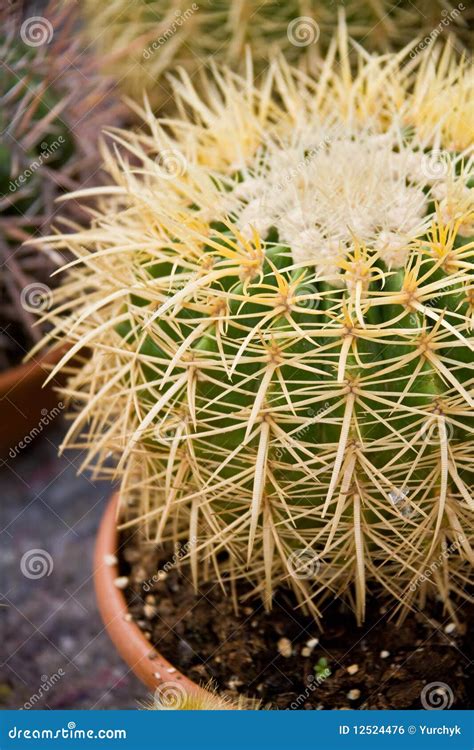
x: 23, y: 400
x: 150, y: 667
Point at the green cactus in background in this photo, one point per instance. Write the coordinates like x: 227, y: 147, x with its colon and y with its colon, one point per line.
x: 140, y: 40
x: 48, y: 146
x: 277, y: 291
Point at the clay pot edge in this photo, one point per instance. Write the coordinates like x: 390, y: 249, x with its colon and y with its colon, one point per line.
x: 156, y: 672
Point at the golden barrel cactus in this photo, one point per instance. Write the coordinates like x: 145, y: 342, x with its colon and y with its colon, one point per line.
x: 277, y: 289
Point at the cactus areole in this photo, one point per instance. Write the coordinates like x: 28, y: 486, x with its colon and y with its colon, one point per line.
x: 277, y: 288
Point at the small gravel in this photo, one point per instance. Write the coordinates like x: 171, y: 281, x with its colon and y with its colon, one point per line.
x: 353, y: 695
x: 284, y: 647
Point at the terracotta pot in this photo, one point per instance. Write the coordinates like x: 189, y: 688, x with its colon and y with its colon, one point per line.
x: 147, y: 663
x: 23, y: 400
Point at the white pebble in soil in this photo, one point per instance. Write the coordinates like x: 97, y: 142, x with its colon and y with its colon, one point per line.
x: 353, y: 695
x: 353, y: 669
x: 284, y: 647
x: 121, y: 582
x: 149, y: 611
x: 234, y: 683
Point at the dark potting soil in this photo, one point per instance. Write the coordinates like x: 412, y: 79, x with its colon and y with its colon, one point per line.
x: 285, y: 660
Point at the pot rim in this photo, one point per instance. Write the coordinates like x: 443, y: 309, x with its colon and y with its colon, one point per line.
x: 156, y: 672
x: 24, y: 397
x: 12, y: 376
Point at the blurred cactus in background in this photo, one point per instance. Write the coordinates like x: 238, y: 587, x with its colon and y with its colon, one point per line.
x: 54, y: 103
x: 140, y: 40
x: 277, y: 289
